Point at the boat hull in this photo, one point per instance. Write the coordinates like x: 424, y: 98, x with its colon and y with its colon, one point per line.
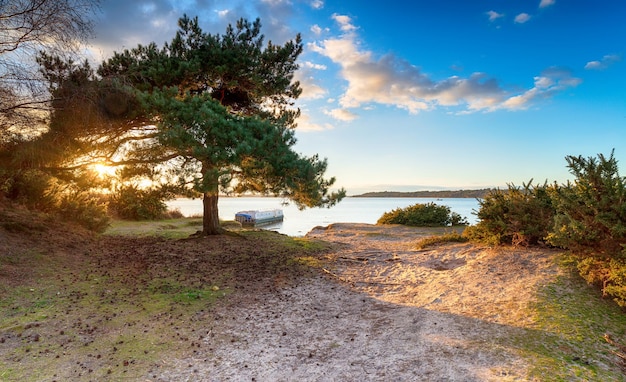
x: 258, y: 218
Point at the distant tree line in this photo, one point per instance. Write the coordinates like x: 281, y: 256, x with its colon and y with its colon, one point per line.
x: 478, y: 194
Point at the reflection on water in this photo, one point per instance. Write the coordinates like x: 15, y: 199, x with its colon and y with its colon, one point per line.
x: 299, y: 222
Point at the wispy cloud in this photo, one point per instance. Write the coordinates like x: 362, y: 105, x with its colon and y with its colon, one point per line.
x: 316, y: 29
x: 317, y: 4
x: 551, y: 81
x: 493, y: 15
x: 604, y: 63
x: 341, y: 114
x: 310, y: 88
x: 345, y: 22
x: 310, y: 65
x: 391, y: 80
x: 306, y: 125
x: 546, y: 3
x: 522, y: 18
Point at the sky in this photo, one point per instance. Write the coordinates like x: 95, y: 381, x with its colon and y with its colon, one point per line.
x: 426, y: 95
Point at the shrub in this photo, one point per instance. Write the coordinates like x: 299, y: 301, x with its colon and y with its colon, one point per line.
x: 451, y: 237
x: 591, y: 221
x: 37, y: 190
x: 591, y: 211
x: 33, y: 189
x: 174, y: 214
x: 87, y: 209
x: 133, y: 203
x: 423, y: 215
x: 519, y: 216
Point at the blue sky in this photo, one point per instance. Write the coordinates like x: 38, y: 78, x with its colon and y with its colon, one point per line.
x: 413, y: 95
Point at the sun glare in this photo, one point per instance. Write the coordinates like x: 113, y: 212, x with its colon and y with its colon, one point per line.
x: 104, y: 171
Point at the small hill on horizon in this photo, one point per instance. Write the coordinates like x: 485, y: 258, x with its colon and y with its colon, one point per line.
x: 427, y: 194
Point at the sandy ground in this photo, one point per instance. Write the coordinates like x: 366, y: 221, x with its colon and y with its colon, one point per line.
x: 380, y: 310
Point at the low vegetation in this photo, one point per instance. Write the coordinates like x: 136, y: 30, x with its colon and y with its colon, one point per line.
x: 423, y: 215
x: 576, y: 336
x: 427, y: 194
x: 77, y: 306
x: 449, y: 237
x: 586, y: 216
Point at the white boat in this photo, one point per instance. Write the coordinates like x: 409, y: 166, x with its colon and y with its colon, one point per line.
x: 255, y: 218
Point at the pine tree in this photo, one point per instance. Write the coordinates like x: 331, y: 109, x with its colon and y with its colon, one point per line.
x: 223, y: 107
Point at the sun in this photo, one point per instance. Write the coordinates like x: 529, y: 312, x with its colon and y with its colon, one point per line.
x: 103, y: 170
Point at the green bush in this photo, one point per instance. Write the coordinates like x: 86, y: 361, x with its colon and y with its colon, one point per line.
x: 586, y: 216
x: 519, y: 216
x: 591, y: 211
x: 87, y: 209
x: 133, y: 203
x: 423, y: 215
x: 33, y: 189
x: 591, y: 222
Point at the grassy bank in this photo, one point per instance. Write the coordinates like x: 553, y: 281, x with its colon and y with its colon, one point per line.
x: 572, y: 325
x: 115, y: 307
x: 121, y: 306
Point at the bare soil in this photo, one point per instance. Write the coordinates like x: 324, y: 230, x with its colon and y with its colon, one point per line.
x: 362, y: 305
x: 382, y: 310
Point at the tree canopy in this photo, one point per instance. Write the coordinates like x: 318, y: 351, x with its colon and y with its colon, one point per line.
x: 26, y: 28
x: 224, y: 115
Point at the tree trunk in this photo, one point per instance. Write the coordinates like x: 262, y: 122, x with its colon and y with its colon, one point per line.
x: 210, y: 218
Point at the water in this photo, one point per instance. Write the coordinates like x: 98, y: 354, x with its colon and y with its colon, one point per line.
x: 299, y: 223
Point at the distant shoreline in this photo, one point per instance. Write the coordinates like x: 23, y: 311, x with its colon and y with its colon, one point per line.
x: 427, y: 194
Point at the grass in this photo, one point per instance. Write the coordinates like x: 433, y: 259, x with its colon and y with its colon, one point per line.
x: 448, y: 237
x: 88, y: 317
x: 567, y: 342
x: 142, y: 294
x: 145, y: 294
x: 169, y: 228
x: 100, y: 327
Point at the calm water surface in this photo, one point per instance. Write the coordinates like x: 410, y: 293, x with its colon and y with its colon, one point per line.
x: 349, y: 210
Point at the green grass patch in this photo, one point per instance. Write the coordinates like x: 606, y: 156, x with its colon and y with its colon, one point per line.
x: 103, y: 327
x: 450, y: 237
x: 168, y: 228
x: 117, y: 313
x: 568, y: 342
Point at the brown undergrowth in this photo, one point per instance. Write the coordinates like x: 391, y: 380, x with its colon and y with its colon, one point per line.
x: 76, y: 306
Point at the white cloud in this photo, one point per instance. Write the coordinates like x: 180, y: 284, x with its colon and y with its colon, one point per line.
x: 390, y: 80
x: 306, y: 125
x: 546, y: 3
x: 317, y: 4
x: 341, y: 114
x: 493, y: 15
x: 310, y: 89
x: 393, y: 81
x: 606, y: 61
x: 551, y: 81
x: 316, y: 29
x: 274, y: 3
x: 522, y: 18
x: 345, y: 22
x: 310, y: 65
x: 222, y: 13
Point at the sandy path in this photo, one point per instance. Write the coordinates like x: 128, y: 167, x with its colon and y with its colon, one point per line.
x: 384, y: 312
